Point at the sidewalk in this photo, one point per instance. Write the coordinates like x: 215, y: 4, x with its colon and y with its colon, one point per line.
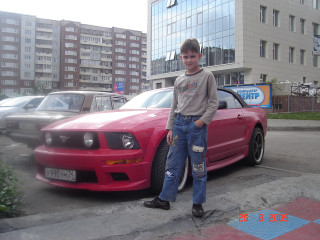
x: 293, y: 125
x: 127, y: 221
x: 299, y: 219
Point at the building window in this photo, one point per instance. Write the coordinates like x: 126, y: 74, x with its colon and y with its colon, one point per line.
x: 71, y: 37
x: 263, y: 78
x: 123, y: 65
x: 70, y: 29
x: 275, y: 51
x: 10, y: 21
x: 118, y: 35
x: 158, y: 85
x: 263, y: 14
x: 302, y: 2
x: 121, y: 43
x: 315, y: 60
x: 120, y: 72
x: 120, y: 50
x: 134, y: 38
x: 263, y: 50
x: 134, y: 52
x: 134, y: 45
x: 291, y: 23
x: 275, y: 18
x: 316, y: 4
x: 134, y: 59
x: 291, y: 54
x: 302, y: 25
x: 119, y: 57
x: 302, y: 56
x: 315, y: 28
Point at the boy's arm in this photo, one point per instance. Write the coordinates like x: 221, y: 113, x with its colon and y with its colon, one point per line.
x: 174, y: 104
x: 213, y: 101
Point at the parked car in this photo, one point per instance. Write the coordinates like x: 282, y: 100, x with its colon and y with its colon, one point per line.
x: 56, y: 106
x: 126, y: 149
x: 25, y: 104
x: 4, y: 100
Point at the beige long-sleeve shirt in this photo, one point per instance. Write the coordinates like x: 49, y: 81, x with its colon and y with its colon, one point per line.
x: 194, y: 95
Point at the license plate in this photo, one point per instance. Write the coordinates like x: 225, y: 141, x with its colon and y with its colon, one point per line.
x: 27, y: 126
x: 60, y: 174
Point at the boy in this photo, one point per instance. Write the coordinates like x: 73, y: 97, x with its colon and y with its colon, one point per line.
x: 194, y: 104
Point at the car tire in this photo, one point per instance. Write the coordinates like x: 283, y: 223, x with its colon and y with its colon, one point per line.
x: 158, y: 169
x: 256, y: 148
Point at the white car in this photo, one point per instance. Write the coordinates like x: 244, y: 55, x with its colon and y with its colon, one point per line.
x: 18, y: 105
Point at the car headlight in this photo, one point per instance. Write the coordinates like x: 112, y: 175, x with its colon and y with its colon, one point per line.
x: 88, y: 139
x: 48, y: 138
x: 118, y: 140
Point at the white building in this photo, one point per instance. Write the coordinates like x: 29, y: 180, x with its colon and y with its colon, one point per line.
x: 243, y: 41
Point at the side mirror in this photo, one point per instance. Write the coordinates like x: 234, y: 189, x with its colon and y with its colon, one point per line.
x: 223, y: 105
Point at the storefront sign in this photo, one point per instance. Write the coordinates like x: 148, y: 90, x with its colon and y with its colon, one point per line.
x: 254, y: 95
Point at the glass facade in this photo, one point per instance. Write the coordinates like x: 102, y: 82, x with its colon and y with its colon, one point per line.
x: 212, y: 22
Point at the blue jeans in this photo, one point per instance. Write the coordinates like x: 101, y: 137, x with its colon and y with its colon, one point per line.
x: 187, y: 140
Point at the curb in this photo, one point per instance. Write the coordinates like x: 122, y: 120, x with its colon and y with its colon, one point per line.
x: 293, y: 128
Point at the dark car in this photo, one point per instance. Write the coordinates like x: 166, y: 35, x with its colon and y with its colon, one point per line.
x: 56, y: 106
x: 126, y: 149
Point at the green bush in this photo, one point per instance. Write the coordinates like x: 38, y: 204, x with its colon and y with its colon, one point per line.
x: 10, y: 193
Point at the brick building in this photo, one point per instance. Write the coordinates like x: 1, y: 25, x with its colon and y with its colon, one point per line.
x: 48, y: 55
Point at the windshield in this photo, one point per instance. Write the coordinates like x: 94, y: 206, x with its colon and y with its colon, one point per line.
x: 16, y: 102
x: 151, y: 99
x: 62, y: 102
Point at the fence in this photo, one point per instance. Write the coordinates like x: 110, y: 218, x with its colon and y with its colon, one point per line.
x: 291, y: 103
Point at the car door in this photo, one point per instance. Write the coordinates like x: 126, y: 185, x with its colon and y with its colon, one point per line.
x: 226, y: 133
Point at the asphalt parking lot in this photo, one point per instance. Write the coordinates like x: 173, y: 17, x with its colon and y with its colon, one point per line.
x: 287, y: 173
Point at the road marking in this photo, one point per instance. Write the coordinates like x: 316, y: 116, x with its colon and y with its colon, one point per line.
x: 283, y: 170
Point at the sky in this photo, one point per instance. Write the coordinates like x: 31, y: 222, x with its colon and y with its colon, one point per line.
x: 128, y: 14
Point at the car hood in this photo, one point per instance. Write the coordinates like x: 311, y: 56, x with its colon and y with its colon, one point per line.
x: 9, y: 109
x: 115, y: 120
x: 41, y: 116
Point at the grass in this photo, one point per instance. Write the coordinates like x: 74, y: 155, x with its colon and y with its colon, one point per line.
x: 295, y: 115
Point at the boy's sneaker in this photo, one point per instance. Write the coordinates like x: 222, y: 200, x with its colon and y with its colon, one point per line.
x: 197, y: 210
x: 157, y: 203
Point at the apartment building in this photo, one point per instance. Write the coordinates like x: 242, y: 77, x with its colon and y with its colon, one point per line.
x: 242, y: 41
x: 10, y: 57
x: 130, y: 60
x: 48, y: 55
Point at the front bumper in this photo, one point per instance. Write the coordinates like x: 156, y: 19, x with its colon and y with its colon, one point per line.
x: 93, y: 172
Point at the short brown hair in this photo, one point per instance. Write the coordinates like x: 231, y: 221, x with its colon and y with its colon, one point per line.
x: 191, y: 44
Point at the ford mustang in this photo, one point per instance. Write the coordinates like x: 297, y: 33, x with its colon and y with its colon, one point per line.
x: 126, y: 149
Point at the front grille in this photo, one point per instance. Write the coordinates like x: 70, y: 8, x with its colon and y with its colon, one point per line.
x: 71, y: 140
x: 86, y: 177
x: 120, y: 176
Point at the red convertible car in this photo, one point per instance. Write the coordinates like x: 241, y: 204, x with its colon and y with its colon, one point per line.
x: 126, y: 149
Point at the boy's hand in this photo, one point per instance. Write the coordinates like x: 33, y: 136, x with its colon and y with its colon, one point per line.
x: 169, y: 137
x: 199, y: 123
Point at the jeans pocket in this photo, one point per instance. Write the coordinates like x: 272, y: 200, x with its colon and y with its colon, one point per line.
x: 195, y: 125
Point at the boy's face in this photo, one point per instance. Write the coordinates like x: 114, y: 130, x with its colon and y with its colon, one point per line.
x: 191, y: 60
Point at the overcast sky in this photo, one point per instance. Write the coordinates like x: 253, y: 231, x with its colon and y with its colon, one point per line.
x: 129, y: 14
